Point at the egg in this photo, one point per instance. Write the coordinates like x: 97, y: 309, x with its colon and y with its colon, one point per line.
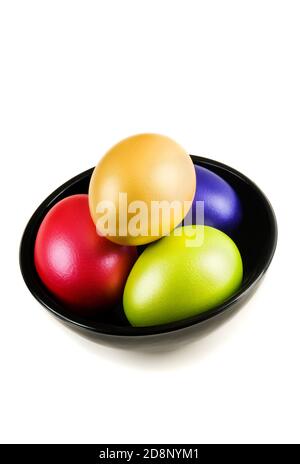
x: 191, y: 271
x: 84, y: 271
x: 133, y: 176
x: 222, y: 207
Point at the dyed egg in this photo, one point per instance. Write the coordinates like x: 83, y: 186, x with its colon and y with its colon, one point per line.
x: 222, y: 207
x: 181, y: 276
x: 131, y: 178
x: 83, y: 270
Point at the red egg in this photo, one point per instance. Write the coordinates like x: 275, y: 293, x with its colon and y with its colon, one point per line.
x: 83, y: 270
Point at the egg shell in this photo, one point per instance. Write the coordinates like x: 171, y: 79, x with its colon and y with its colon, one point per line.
x: 173, y: 280
x: 146, y: 168
x: 83, y: 270
x: 222, y: 206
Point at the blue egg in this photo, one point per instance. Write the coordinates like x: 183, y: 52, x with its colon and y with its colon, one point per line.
x: 222, y: 207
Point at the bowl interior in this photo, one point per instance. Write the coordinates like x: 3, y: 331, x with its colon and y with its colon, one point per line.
x: 256, y: 239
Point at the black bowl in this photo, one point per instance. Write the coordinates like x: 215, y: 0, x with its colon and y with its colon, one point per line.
x: 256, y: 239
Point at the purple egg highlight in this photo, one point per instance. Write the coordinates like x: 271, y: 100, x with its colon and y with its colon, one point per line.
x: 222, y: 207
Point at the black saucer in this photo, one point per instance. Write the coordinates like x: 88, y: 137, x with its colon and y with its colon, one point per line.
x: 256, y: 239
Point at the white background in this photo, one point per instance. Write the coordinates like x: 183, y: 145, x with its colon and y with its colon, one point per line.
x: 223, y: 79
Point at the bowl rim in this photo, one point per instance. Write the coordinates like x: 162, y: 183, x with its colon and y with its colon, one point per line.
x: 129, y: 331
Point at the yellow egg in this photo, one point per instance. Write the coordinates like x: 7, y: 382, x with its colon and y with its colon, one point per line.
x: 141, y: 189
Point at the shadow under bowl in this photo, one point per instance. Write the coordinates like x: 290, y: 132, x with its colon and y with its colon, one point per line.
x: 256, y: 239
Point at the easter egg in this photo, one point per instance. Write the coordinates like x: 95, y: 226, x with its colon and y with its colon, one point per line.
x: 135, y: 178
x: 222, y: 207
x: 191, y: 271
x: 84, y: 271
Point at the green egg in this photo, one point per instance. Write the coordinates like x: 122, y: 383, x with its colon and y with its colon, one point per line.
x: 191, y: 271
